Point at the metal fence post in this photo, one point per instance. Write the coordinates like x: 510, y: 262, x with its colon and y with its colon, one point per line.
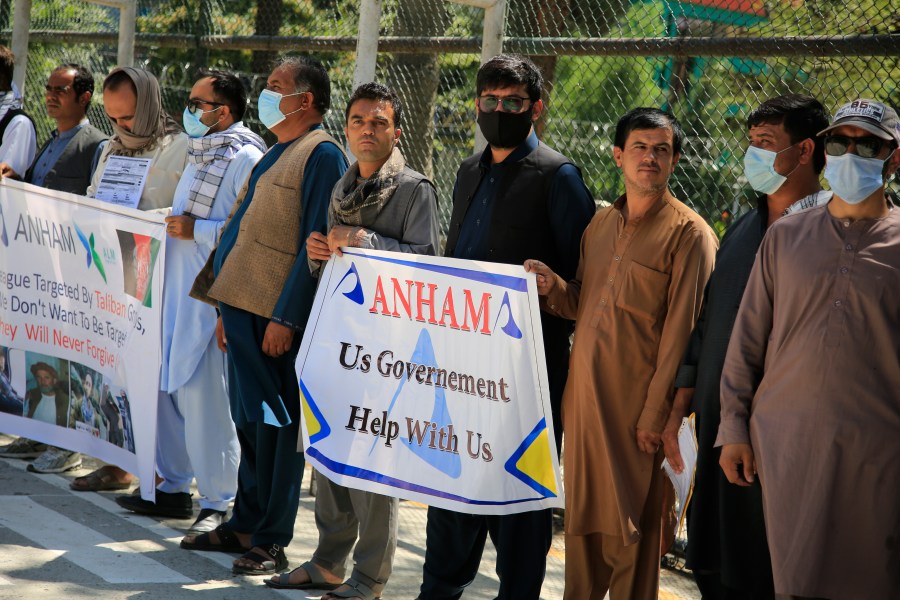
x: 127, y: 25
x: 367, y: 42
x: 366, y: 47
x: 21, y: 29
x: 491, y: 40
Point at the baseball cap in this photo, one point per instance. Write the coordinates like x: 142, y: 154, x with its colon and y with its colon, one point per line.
x: 876, y: 118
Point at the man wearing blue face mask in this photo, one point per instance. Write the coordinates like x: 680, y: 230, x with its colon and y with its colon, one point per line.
x: 810, y: 385
x: 260, y: 279
x: 195, y: 433
x: 727, y: 550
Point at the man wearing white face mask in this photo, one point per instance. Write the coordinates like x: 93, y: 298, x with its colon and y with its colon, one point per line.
x: 260, y: 280
x: 727, y: 550
x: 195, y: 433
x: 810, y: 385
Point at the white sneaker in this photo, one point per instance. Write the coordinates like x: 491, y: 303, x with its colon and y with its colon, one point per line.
x: 23, y: 448
x: 55, y: 460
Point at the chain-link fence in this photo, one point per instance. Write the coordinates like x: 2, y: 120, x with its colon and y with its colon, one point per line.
x: 708, y: 61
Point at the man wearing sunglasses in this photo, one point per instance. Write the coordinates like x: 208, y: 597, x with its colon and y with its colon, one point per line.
x: 195, y: 433
x: 810, y: 385
x: 63, y: 163
x: 517, y: 199
x: 727, y: 550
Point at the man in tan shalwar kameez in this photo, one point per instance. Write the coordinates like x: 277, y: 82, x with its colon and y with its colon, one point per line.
x: 811, y: 383
x: 636, y: 296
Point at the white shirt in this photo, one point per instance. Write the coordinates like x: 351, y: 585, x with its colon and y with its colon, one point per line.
x: 188, y: 324
x: 19, y: 144
x: 46, y: 409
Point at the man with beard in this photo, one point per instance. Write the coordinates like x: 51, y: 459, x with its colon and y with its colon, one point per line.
x: 49, y: 401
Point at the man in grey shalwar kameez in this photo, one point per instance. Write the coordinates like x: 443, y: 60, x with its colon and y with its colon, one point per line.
x: 379, y: 204
x: 811, y: 383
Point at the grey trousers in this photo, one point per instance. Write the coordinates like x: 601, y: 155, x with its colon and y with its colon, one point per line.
x: 342, y: 515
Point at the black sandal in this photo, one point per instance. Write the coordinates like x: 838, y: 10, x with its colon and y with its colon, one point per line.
x: 228, y: 542
x: 268, y: 566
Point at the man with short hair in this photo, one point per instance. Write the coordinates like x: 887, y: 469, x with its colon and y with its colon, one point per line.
x: 49, y: 401
x: 260, y: 278
x: 142, y: 129
x: 810, y: 384
x: 195, y: 432
x: 17, y: 135
x: 63, y: 163
x: 518, y: 198
x: 381, y: 204
x: 644, y: 263
x: 727, y: 550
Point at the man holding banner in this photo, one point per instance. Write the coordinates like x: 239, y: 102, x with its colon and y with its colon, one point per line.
x: 644, y: 263
x: 195, y: 432
x: 516, y: 199
x: 151, y: 148
x: 380, y: 204
x: 63, y: 163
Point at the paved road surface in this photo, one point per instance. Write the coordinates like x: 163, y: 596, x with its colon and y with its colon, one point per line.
x: 60, y: 544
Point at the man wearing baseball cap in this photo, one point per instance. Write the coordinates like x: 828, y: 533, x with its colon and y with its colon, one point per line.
x: 810, y: 398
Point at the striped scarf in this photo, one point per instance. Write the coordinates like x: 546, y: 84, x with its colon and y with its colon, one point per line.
x: 212, y: 154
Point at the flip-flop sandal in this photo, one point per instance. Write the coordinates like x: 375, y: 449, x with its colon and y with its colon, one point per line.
x: 267, y: 566
x: 98, y: 481
x: 315, y: 580
x: 357, y: 590
x: 228, y: 542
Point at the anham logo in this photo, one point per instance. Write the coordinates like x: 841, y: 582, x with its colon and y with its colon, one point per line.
x: 92, y: 257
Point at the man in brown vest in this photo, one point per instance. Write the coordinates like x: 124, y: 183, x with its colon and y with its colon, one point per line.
x: 260, y: 279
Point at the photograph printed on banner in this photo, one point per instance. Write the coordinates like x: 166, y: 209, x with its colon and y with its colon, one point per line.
x: 84, y: 408
x: 11, y: 400
x: 117, y: 414
x: 46, y: 389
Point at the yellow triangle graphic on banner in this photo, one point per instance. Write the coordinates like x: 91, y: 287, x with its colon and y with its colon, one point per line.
x: 312, y: 423
x: 536, y: 463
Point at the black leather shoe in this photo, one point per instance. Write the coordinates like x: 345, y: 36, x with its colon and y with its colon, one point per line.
x: 207, y: 520
x: 176, y: 505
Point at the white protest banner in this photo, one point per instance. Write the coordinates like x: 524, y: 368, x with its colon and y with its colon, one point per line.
x: 80, y: 305
x: 424, y: 378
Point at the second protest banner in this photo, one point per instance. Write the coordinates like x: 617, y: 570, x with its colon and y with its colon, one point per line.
x: 424, y: 378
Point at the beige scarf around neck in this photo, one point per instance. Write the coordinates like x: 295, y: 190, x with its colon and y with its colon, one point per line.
x: 151, y: 123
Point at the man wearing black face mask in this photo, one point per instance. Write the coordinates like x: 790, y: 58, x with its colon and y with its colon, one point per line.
x: 515, y: 200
